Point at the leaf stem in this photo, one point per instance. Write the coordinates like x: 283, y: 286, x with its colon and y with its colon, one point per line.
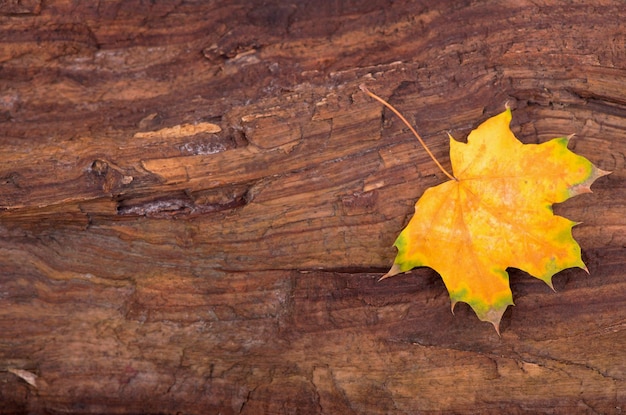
x: 395, y: 111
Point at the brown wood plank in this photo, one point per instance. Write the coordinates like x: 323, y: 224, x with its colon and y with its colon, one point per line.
x: 197, y: 201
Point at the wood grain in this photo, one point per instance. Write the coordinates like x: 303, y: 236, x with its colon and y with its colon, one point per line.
x: 197, y: 202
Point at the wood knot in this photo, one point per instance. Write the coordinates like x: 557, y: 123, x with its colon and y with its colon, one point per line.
x: 109, y: 176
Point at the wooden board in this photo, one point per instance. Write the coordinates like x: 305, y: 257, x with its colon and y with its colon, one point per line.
x: 197, y: 202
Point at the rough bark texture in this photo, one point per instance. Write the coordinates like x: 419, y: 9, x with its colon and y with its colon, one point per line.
x: 197, y: 202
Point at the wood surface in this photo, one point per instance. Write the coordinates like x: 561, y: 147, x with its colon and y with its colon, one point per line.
x: 197, y: 201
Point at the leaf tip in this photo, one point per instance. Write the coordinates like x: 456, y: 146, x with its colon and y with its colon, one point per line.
x: 602, y: 173
x: 25, y: 375
x: 497, y: 327
x: 494, y: 316
x: 395, y: 270
x: 585, y: 186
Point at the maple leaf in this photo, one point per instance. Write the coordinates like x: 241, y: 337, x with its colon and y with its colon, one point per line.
x: 495, y: 213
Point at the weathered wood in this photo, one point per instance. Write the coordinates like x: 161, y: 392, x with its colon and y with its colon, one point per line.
x: 197, y: 202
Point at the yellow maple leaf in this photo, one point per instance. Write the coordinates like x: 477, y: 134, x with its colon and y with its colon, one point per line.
x: 496, y: 213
